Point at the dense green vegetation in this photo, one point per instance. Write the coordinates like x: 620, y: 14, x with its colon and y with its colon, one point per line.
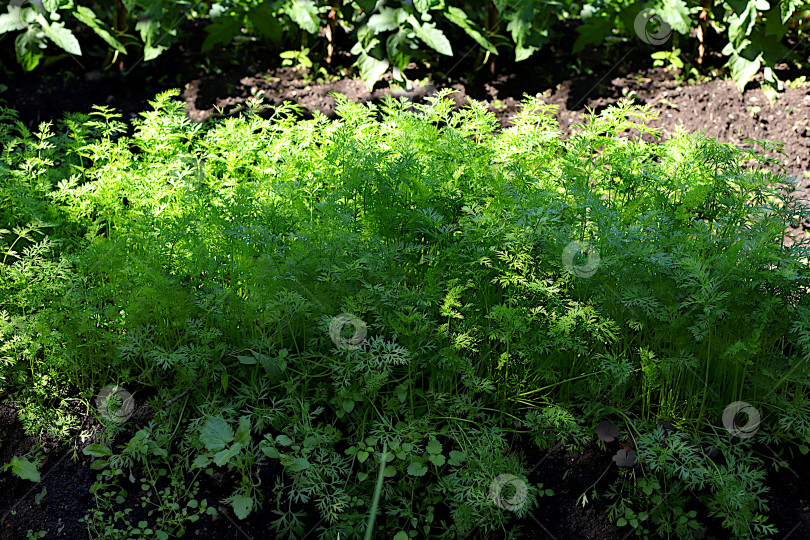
x: 386, y: 304
x: 756, y: 35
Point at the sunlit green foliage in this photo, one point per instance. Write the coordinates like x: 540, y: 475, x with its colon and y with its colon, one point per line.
x: 212, y: 258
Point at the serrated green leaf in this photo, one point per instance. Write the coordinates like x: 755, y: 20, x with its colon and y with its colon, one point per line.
x: 224, y: 456
x: 96, y: 450
x: 520, y: 26
x: 741, y: 24
x: 742, y: 69
x: 88, y: 17
x: 422, y: 6
x: 459, y: 18
x: 151, y: 52
x: 434, y: 446
x: 371, y: 69
x: 24, y: 469
x: 61, y: 36
x: 348, y: 405
x: 11, y: 21
x: 386, y: 20
x: 417, y: 469
x: 432, y: 36
x: 221, y: 32
x: 299, y: 464
x: 242, y: 506
x: 243, y: 431
x: 390, y: 471
x: 367, y: 5
x: 593, y: 32
x: 201, y: 462
x: 283, y: 440
x: 456, y: 458
x: 437, y: 459
x: 265, y: 21
x: 304, y: 13
x: 216, y: 433
x: 676, y: 14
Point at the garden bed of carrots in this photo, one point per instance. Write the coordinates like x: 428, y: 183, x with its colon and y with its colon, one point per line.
x: 461, y: 318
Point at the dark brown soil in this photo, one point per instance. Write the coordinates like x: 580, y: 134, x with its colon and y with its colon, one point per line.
x: 716, y: 107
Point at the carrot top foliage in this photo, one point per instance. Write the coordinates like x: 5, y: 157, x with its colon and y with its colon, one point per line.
x: 405, y: 292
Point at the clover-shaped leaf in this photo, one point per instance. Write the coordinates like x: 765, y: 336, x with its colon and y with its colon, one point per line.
x: 437, y: 459
x: 624, y: 458
x: 417, y: 469
x: 607, y: 431
x: 456, y: 457
x: 667, y: 426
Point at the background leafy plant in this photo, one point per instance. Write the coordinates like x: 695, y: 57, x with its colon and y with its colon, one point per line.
x: 383, y: 36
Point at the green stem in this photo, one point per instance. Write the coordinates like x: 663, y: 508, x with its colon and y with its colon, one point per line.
x: 375, y: 502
